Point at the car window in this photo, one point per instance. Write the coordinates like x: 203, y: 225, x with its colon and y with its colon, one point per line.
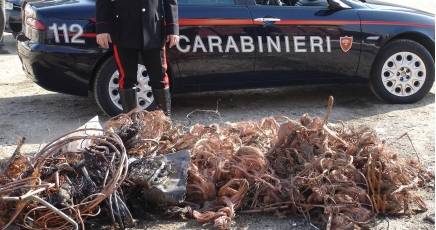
x: 207, y: 2
x: 292, y: 2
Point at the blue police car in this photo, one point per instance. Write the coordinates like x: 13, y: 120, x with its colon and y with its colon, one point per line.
x: 239, y: 44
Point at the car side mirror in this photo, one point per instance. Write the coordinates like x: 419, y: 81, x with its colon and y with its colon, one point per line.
x: 337, y: 5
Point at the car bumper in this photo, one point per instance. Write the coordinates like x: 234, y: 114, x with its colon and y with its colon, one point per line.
x: 54, y: 69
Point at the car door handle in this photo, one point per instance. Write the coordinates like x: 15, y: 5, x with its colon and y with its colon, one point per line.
x: 267, y: 19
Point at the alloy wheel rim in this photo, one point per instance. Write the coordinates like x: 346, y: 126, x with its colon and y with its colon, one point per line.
x: 143, y: 89
x: 403, y: 74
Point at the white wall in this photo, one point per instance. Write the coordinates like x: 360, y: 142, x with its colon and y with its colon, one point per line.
x: 426, y: 5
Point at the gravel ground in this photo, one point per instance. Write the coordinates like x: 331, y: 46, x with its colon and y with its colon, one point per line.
x: 39, y: 115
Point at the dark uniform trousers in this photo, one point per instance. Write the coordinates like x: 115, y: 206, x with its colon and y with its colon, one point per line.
x: 153, y: 59
x: 139, y: 27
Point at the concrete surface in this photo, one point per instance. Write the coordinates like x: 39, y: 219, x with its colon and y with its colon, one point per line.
x: 30, y: 111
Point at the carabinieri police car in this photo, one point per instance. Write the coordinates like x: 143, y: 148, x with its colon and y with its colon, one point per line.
x: 241, y: 43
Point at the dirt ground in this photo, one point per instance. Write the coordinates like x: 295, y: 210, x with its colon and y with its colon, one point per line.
x: 39, y: 115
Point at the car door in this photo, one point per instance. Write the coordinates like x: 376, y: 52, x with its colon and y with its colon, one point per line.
x: 209, y: 51
x: 306, y: 39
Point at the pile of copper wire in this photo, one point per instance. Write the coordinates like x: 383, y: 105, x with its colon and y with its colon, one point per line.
x: 65, y: 183
x: 336, y: 176
x: 342, y: 174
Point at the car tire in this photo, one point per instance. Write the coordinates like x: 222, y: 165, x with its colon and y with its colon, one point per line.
x: 403, y: 72
x: 106, y: 89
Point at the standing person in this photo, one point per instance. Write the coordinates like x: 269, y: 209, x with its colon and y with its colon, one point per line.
x: 139, y: 27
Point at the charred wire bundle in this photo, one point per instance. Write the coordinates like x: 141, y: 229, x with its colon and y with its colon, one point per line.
x: 65, y: 183
x: 344, y: 175
x: 140, y: 131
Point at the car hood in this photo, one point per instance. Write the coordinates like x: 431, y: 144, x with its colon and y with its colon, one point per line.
x: 77, y: 9
x: 380, y: 5
x: 15, y: 2
x: 49, y: 3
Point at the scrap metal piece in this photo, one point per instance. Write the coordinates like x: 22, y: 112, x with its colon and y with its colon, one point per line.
x: 164, y: 178
x: 91, y: 128
x: 17, y: 163
x: 55, y: 210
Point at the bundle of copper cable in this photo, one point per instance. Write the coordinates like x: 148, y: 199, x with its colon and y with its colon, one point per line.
x: 304, y: 166
x: 65, y: 183
x: 308, y: 167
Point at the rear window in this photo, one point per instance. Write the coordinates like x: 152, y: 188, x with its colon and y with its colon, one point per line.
x: 206, y: 2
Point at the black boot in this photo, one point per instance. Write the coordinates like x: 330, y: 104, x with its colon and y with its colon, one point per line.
x: 163, y: 100
x: 128, y: 99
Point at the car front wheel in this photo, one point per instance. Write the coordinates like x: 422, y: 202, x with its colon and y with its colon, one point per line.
x: 106, y: 91
x: 403, y: 72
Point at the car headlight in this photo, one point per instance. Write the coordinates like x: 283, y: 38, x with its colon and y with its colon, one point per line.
x: 29, y: 11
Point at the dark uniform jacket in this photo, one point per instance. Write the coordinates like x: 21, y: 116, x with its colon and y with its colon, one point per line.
x: 141, y: 24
